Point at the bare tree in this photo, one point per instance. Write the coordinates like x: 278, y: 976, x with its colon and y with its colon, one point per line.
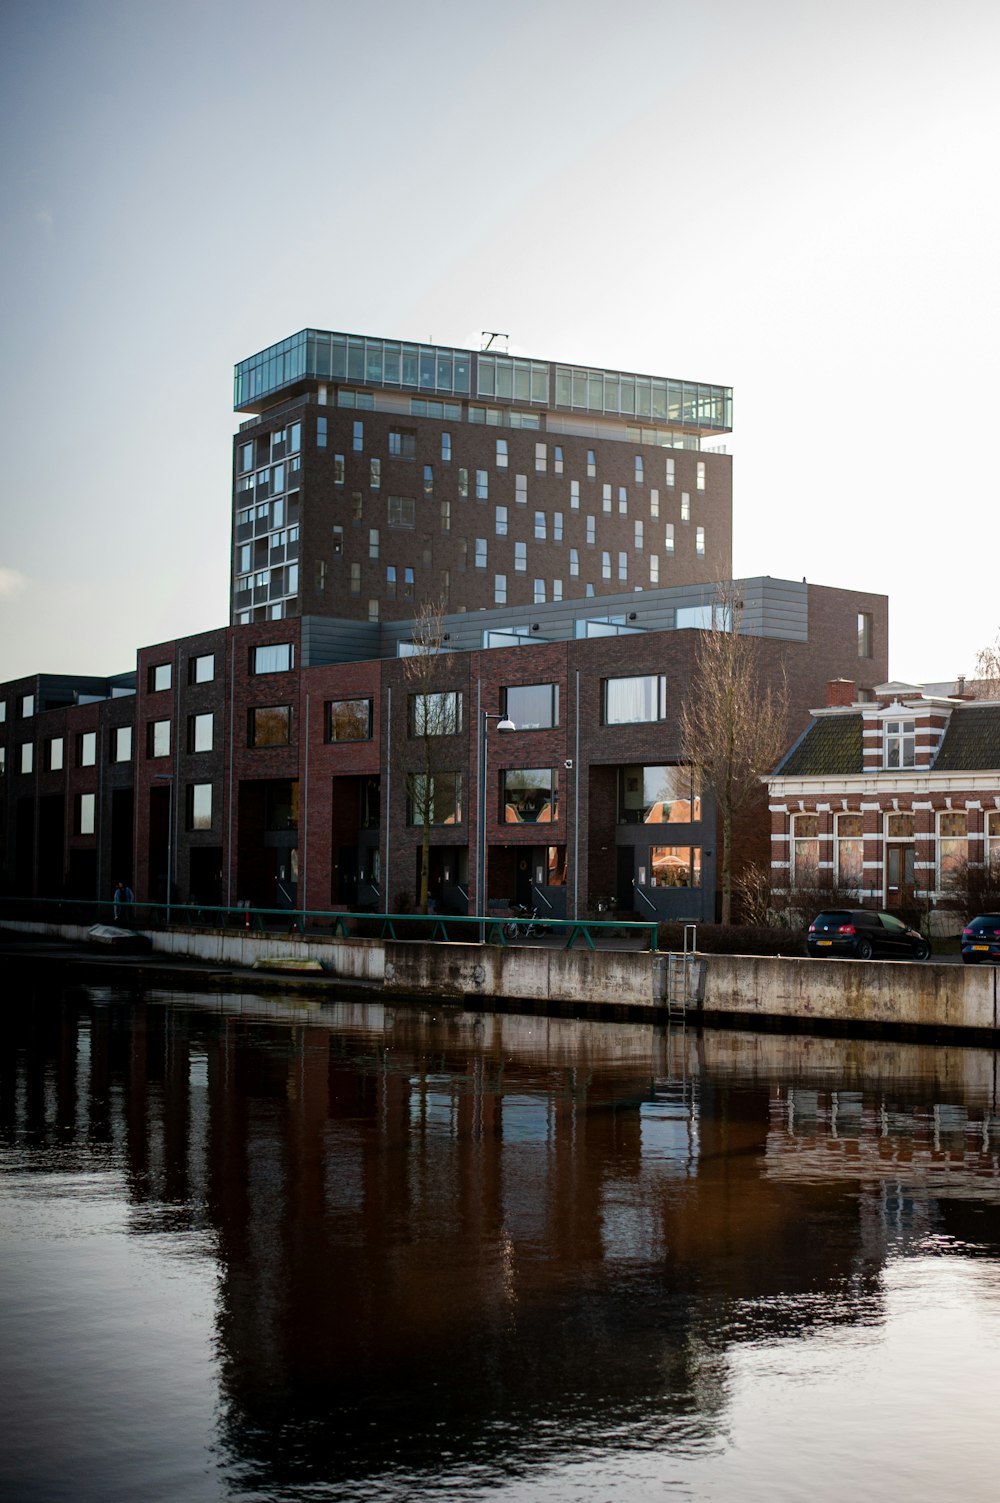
x: 734, y: 722
x: 433, y: 713
x: 986, y: 684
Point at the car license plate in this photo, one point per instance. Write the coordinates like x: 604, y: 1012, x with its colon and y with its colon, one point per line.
x: 830, y: 942
x: 980, y: 947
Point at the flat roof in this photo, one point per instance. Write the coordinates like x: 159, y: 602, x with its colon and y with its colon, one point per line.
x: 314, y: 356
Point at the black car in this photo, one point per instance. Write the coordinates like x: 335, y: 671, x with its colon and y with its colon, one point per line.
x: 863, y: 933
x: 981, y: 939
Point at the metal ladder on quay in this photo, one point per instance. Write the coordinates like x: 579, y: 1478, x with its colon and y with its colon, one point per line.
x: 682, y: 977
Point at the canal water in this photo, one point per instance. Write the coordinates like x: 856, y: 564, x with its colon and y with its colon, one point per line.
x: 257, y: 1249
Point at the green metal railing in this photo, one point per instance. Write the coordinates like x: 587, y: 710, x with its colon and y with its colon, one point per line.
x: 499, y: 929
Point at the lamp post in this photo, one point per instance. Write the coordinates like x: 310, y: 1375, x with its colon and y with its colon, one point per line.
x: 504, y: 723
x: 168, y: 777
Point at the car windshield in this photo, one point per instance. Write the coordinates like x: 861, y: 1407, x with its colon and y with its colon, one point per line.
x: 835, y: 916
x: 986, y: 921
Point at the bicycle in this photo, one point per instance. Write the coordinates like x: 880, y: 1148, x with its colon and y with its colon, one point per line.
x: 526, y: 926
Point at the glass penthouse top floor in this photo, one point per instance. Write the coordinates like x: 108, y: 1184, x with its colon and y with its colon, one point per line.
x: 313, y: 356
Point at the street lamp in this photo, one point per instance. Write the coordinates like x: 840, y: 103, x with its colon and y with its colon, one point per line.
x: 168, y: 777
x: 504, y: 723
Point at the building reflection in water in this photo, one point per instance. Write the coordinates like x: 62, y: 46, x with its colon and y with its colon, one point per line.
x: 459, y: 1241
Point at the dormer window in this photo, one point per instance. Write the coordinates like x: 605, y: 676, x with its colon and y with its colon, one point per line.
x: 900, y: 743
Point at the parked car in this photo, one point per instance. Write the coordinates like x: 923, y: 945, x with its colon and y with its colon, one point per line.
x: 863, y: 933
x: 981, y: 939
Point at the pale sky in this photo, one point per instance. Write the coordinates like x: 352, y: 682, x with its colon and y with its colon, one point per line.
x: 792, y: 197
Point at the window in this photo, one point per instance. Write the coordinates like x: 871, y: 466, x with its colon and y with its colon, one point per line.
x: 521, y: 490
x: 270, y: 725
x: 557, y: 590
x: 606, y: 497
x: 538, y: 594
x: 321, y: 433
x: 654, y: 502
x: 659, y: 795
x: 463, y: 484
x: 622, y: 501
x: 991, y: 854
x: 685, y: 507
x: 520, y: 558
x: 338, y: 542
x: 3, y: 711
x: 158, y: 678
x: 591, y: 530
x: 699, y: 475
x: 375, y: 474
x: 540, y: 532
x: 532, y: 707
x: 201, y: 732
x: 121, y: 744
x: 638, y: 469
x: 482, y: 485
x: 373, y: 542
x: 900, y: 743
x: 634, y: 701
x: 158, y: 738
x: 849, y: 851
x: 670, y: 471
x: 349, y: 720
x: 355, y: 579
x: 428, y: 480
x: 246, y: 458
x: 668, y: 538
x: 435, y: 800
x: 27, y: 756
x: 358, y: 436
x: 446, y: 448
x: 408, y: 584
x: 85, y: 810
x: 574, y: 495
x: 277, y: 657
x: 199, y: 806
x: 357, y: 502
x: 623, y: 567
x: 637, y: 538
x: 26, y: 706
x: 501, y: 521
x: 499, y: 589
x: 605, y: 565
x: 501, y: 453
x: 445, y: 516
x: 699, y: 541
x: 436, y: 714
x: 201, y: 669
x: 574, y: 563
x: 390, y: 581
x: 480, y: 553
x: 3, y: 760
x: 864, y: 634
x: 675, y: 866
x: 54, y: 759
x: 805, y: 850
x: 530, y: 795
x: 86, y: 749
x: 557, y: 527
x: 591, y: 464
x: 541, y: 459
x: 557, y: 459
x: 402, y: 513
x: 952, y: 847
x: 654, y: 569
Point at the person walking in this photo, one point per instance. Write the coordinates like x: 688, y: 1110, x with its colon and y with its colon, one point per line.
x: 123, y: 896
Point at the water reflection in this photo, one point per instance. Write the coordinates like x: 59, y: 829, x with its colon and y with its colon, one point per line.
x: 390, y: 1253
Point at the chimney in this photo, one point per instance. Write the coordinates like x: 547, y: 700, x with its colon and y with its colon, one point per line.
x: 840, y: 691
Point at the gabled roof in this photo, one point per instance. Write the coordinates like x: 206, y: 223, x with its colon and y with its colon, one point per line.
x: 972, y: 740
x: 830, y: 746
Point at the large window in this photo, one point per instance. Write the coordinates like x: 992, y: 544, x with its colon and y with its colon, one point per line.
x: 349, y: 720
x: 952, y: 846
x: 54, y: 760
x: 532, y: 707
x: 805, y: 850
x: 530, y: 795
x: 436, y: 800
x: 864, y: 634
x: 27, y: 756
x: 201, y: 732
x: 85, y: 813
x: 199, y: 806
x: 270, y: 725
x: 675, y: 866
x: 121, y: 744
x: 436, y: 714
x: 633, y: 701
x: 201, y: 669
x: 900, y: 743
x: 403, y: 443
x: 402, y: 511
x: 850, y: 849
x: 277, y: 657
x: 158, y: 678
x: 158, y: 738
x: 658, y: 795
x: 86, y: 749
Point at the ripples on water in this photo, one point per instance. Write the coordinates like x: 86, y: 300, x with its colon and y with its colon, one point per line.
x: 255, y: 1250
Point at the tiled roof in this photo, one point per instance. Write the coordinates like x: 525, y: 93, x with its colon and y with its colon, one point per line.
x: 831, y: 746
x: 972, y: 740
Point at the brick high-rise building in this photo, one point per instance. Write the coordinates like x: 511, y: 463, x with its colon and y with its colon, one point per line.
x: 376, y: 475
